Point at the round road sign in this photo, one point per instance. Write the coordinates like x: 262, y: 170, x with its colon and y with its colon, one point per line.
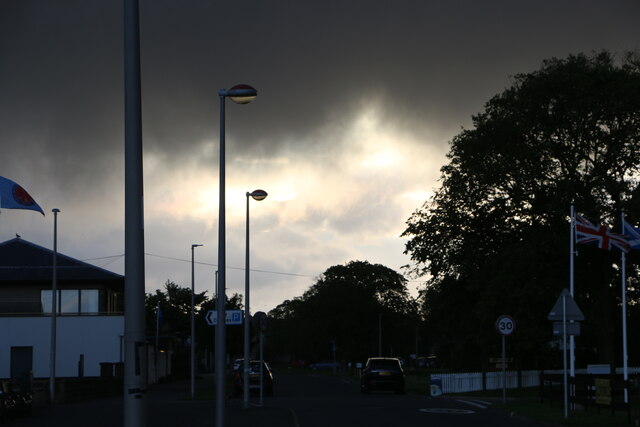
x: 505, y: 325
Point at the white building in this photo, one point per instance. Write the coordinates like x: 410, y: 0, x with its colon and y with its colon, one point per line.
x: 90, y: 322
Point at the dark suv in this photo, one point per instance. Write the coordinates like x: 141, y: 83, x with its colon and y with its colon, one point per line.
x: 382, y: 373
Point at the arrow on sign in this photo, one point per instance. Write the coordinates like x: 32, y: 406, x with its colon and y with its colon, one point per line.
x: 232, y: 317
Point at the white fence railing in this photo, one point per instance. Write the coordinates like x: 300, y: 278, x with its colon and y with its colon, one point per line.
x: 472, y: 381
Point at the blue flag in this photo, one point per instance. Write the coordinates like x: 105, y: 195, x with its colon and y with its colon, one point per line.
x: 633, y: 233
x: 13, y: 196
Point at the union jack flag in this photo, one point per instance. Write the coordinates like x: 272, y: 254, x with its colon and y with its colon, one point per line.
x: 633, y: 234
x: 599, y: 235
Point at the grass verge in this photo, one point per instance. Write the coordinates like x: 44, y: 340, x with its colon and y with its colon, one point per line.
x: 525, y: 402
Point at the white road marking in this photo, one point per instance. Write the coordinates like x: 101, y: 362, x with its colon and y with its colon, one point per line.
x: 296, y: 423
x: 477, y: 405
x: 447, y: 411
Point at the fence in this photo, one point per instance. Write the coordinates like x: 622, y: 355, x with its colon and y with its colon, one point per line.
x: 472, y: 381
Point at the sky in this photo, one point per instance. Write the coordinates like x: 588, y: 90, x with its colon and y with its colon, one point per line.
x: 357, y: 104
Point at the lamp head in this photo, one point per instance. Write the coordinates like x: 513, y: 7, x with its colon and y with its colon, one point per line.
x: 242, y: 94
x: 258, y: 195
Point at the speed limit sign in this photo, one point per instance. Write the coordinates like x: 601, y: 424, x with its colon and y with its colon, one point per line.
x: 505, y: 325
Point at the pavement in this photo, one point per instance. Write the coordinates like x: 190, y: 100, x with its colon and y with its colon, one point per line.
x: 166, y: 405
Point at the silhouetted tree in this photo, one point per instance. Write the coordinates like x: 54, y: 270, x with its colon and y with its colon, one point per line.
x: 494, y: 239
x: 175, y: 327
x: 344, y: 307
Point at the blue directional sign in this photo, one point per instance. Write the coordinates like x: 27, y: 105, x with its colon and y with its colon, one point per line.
x: 232, y: 317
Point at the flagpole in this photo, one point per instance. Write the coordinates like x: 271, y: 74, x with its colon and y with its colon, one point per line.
x: 155, y: 355
x: 623, y: 266
x: 572, y: 366
x: 54, y: 308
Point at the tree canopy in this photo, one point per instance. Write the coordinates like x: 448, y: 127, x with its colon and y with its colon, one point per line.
x: 345, y: 307
x: 494, y: 238
x: 175, y: 324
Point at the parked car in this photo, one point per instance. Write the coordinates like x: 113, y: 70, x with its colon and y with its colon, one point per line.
x: 254, y: 377
x: 382, y: 373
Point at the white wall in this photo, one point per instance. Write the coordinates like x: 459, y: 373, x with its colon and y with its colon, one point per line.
x: 97, y: 337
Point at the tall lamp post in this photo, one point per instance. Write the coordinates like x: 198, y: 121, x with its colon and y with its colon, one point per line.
x: 135, y: 361
x: 193, y: 326
x: 54, y: 308
x: 256, y: 195
x: 240, y: 94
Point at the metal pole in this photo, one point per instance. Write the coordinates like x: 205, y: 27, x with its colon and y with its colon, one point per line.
x: 572, y: 343
x: 379, y: 334
x: 261, y: 362
x: 135, y: 373
x: 220, y: 301
x: 54, y: 309
x: 157, y: 348
x: 504, y: 370
x: 193, y: 326
x: 247, y: 330
x: 564, y: 355
x: 625, y: 367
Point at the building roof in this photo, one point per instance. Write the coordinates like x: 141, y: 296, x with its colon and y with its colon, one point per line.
x: 21, y: 260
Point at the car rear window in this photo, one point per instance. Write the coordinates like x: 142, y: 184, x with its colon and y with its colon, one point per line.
x: 384, y: 364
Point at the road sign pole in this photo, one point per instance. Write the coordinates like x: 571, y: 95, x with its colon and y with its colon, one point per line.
x: 261, y: 366
x: 504, y: 369
x: 566, y: 309
x: 564, y: 354
x: 505, y: 326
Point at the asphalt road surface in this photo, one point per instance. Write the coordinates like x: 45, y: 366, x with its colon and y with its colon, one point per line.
x: 317, y: 400
x: 299, y: 401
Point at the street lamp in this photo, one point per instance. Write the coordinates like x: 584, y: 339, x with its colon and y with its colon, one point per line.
x: 240, y: 94
x: 256, y: 195
x: 193, y: 327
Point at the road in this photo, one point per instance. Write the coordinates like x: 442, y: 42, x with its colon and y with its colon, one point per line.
x: 321, y: 401
x: 301, y: 400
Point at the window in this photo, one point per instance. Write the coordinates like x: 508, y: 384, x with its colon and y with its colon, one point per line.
x: 45, y: 299
x: 69, y: 301
x: 89, y: 301
x: 72, y: 301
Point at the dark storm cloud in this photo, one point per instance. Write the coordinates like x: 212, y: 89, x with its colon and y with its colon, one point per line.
x: 420, y: 67
x: 314, y: 63
x: 60, y: 85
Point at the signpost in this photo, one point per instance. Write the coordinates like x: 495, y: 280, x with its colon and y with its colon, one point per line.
x: 232, y: 317
x: 260, y: 319
x: 565, y: 309
x: 505, y: 326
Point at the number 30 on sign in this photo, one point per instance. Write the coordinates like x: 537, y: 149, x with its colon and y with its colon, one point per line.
x: 505, y: 325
